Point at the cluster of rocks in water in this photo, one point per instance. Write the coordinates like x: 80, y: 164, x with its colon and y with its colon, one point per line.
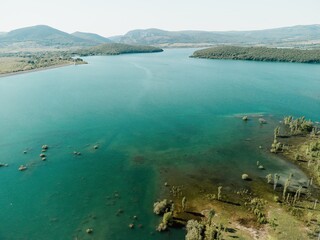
x: 77, y: 153
x: 111, y: 201
x: 42, y: 155
x: 261, y: 120
x: 4, y: 165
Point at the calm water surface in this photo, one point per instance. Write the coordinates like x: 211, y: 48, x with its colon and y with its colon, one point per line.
x: 147, y: 112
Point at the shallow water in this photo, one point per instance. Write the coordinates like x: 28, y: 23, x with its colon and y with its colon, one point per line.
x: 147, y: 113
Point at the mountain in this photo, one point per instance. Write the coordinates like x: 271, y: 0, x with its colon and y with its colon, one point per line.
x: 278, y: 36
x: 91, y: 37
x: 42, y: 36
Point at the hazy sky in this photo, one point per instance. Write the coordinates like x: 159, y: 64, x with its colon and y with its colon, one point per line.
x: 119, y: 16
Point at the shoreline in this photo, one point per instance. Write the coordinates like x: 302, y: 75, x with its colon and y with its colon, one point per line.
x: 298, y: 146
x: 232, y: 211
x: 2, y: 75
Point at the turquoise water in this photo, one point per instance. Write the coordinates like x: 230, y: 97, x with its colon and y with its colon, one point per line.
x: 149, y: 113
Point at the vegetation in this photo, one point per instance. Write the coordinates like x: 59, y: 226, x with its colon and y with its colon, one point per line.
x: 305, y: 149
x: 115, y: 49
x: 256, y: 206
x: 165, y: 221
x: 259, y: 54
x: 161, y: 207
x: 298, y: 126
x: 183, y: 203
x: 29, y: 62
x: 202, y: 231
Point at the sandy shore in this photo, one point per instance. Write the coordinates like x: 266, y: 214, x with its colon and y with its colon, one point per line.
x: 34, y: 70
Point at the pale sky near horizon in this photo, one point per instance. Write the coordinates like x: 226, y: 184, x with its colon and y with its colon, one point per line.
x: 110, y: 18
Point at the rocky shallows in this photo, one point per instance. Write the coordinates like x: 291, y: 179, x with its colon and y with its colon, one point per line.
x: 263, y: 208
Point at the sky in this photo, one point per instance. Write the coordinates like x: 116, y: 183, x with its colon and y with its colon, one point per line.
x: 109, y: 18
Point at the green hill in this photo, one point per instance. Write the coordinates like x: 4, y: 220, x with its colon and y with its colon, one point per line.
x: 42, y: 35
x: 286, y: 36
x: 259, y: 54
x: 115, y: 49
x: 91, y: 37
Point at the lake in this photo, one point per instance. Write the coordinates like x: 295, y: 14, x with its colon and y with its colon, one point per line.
x: 155, y: 118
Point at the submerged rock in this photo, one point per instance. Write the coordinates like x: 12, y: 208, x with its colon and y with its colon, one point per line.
x: 22, y: 168
x: 77, y: 153
x: 45, y: 147
x: 245, y: 176
x: 262, y: 121
x: 120, y: 211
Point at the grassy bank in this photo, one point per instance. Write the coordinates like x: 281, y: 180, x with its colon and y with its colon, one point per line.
x: 27, y: 63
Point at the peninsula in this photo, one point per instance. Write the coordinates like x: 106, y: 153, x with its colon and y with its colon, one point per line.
x: 12, y: 63
x: 259, y: 54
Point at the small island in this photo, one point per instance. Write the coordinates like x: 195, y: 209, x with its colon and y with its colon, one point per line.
x: 115, y: 49
x: 259, y: 54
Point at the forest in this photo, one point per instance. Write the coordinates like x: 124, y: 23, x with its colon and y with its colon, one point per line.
x: 259, y: 54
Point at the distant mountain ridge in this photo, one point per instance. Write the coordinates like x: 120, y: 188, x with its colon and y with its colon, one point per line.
x: 44, y: 36
x: 276, y: 36
x: 91, y: 37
